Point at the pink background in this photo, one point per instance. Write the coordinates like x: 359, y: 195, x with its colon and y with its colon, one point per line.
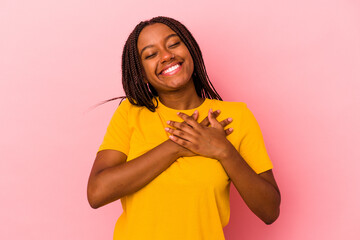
x: 295, y: 63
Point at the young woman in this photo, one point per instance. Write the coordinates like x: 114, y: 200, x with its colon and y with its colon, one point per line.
x: 173, y: 146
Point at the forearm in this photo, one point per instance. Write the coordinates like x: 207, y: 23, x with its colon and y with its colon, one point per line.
x: 113, y: 183
x: 260, y: 195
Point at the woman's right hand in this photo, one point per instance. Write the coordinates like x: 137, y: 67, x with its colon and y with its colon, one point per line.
x: 184, y: 152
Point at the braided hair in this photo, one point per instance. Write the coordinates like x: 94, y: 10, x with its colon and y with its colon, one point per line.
x: 141, y: 94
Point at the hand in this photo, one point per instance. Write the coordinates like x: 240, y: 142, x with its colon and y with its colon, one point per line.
x: 184, y: 152
x: 199, y: 138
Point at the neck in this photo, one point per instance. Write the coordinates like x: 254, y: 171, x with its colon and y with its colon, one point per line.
x: 181, y: 100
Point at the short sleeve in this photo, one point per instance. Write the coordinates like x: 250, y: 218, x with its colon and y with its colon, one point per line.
x: 117, y: 136
x: 252, y: 146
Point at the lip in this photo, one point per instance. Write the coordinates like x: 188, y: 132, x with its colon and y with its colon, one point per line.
x: 169, y: 66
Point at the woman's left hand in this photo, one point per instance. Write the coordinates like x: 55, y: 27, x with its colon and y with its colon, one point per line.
x: 209, y: 141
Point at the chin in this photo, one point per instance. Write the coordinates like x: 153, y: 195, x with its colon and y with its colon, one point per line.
x: 182, y: 85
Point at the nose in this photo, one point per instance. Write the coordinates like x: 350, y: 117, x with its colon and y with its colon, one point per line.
x: 166, y: 56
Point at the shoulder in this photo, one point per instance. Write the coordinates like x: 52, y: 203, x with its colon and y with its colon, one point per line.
x: 230, y: 106
x: 131, y: 111
x: 235, y: 110
x: 125, y: 106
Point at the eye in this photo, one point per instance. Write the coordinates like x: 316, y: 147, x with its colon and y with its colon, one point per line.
x: 174, y: 45
x: 150, y: 56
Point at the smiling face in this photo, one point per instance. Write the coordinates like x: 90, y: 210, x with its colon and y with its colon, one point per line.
x: 167, y: 63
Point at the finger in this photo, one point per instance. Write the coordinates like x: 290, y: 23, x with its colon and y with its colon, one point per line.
x: 225, y: 122
x: 229, y: 131
x: 181, y: 134
x: 180, y: 141
x: 189, y: 120
x: 184, y: 126
x: 205, y: 121
x: 195, y: 115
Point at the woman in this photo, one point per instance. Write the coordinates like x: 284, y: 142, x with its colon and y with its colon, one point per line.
x: 167, y: 155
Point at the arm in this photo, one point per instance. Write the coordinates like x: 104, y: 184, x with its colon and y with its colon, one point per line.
x: 259, y: 191
x: 112, y: 177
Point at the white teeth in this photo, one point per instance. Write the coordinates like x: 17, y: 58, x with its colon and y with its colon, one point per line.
x: 170, y: 69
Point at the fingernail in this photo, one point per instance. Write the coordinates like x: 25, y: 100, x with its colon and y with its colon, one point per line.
x: 196, y: 111
x: 230, y: 119
x: 218, y: 111
x: 211, y: 110
x: 167, y: 129
x: 230, y: 129
x: 168, y: 122
x: 178, y: 113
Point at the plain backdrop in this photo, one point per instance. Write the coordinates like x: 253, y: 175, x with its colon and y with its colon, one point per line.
x: 295, y: 63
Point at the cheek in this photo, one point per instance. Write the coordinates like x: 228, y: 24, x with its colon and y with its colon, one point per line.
x: 147, y: 70
x: 190, y: 59
x: 191, y: 64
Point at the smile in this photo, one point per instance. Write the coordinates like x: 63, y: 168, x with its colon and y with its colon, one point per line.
x: 171, y: 70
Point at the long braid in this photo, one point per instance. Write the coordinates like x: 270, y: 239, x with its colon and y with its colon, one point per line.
x: 132, y: 78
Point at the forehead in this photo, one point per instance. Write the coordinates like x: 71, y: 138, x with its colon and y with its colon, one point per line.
x: 153, y: 34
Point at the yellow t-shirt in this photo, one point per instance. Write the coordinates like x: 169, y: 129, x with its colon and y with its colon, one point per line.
x: 190, y: 199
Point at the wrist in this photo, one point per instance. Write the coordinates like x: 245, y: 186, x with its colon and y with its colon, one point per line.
x: 229, y: 152
x: 175, y: 148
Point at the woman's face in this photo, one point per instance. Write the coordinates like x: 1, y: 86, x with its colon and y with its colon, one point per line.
x: 167, y: 62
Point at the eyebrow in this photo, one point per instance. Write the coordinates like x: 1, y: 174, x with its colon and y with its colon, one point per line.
x: 149, y: 46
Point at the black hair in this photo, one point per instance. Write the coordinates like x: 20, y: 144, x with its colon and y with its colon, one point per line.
x: 136, y: 90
